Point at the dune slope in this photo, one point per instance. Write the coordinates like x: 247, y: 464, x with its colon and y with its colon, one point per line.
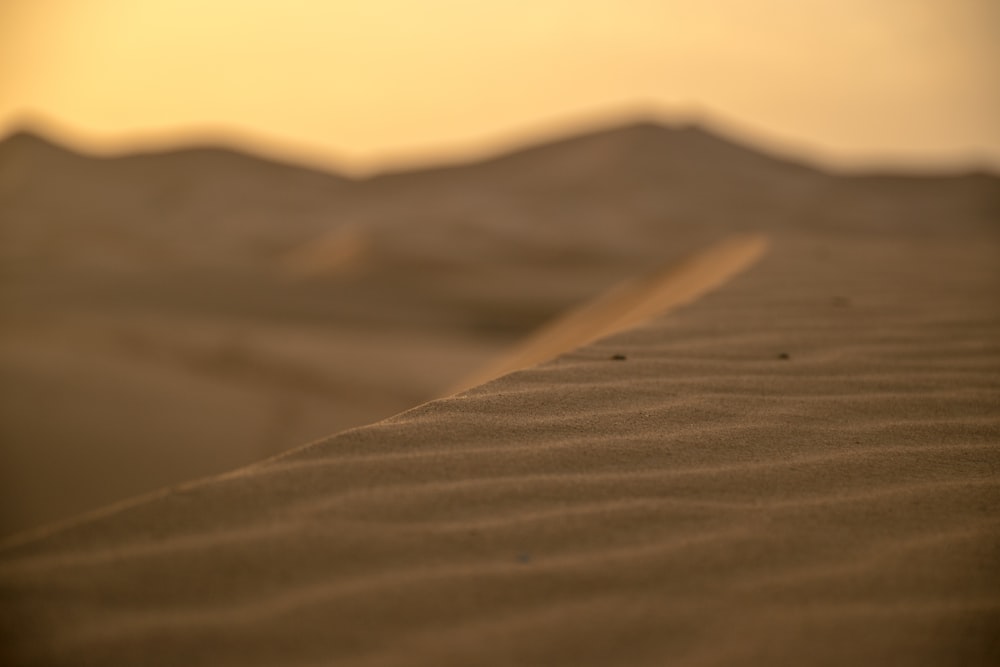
x: 799, y: 468
x: 231, y: 307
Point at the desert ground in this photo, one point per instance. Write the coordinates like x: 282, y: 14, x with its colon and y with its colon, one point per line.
x: 640, y: 396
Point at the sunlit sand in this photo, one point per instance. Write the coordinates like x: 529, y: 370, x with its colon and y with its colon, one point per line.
x: 627, y: 305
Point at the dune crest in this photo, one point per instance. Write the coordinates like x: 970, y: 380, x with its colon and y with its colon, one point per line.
x: 798, y: 467
x: 628, y: 304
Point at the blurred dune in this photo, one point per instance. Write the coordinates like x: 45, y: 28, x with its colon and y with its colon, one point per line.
x: 374, y: 333
x: 340, y: 251
x: 798, y: 467
x: 176, y: 314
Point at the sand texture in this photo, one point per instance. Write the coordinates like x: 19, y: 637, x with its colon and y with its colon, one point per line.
x: 775, y: 442
x: 173, y: 315
x: 799, y: 468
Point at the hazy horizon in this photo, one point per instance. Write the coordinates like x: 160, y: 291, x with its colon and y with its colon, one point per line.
x: 490, y: 145
x: 364, y: 86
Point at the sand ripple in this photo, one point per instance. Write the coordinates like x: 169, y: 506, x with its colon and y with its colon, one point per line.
x: 770, y: 476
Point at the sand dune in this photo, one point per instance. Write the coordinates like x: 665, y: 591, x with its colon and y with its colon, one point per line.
x: 796, y: 464
x: 627, y: 305
x: 799, y: 468
x: 225, y: 298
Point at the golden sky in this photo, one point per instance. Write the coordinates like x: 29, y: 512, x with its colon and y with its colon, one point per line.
x: 363, y: 82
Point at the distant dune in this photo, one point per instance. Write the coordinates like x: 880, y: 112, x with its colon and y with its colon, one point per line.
x: 240, y: 306
x: 797, y: 464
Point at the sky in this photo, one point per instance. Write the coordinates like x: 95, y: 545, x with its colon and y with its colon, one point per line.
x: 362, y: 84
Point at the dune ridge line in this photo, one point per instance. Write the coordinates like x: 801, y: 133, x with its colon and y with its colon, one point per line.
x: 629, y: 304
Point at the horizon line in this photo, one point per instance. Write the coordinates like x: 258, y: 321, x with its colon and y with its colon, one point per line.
x: 486, y: 145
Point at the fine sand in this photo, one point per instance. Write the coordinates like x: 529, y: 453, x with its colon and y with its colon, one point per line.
x: 169, y: 316
x: 774, y: 442
x: 799, y: 468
